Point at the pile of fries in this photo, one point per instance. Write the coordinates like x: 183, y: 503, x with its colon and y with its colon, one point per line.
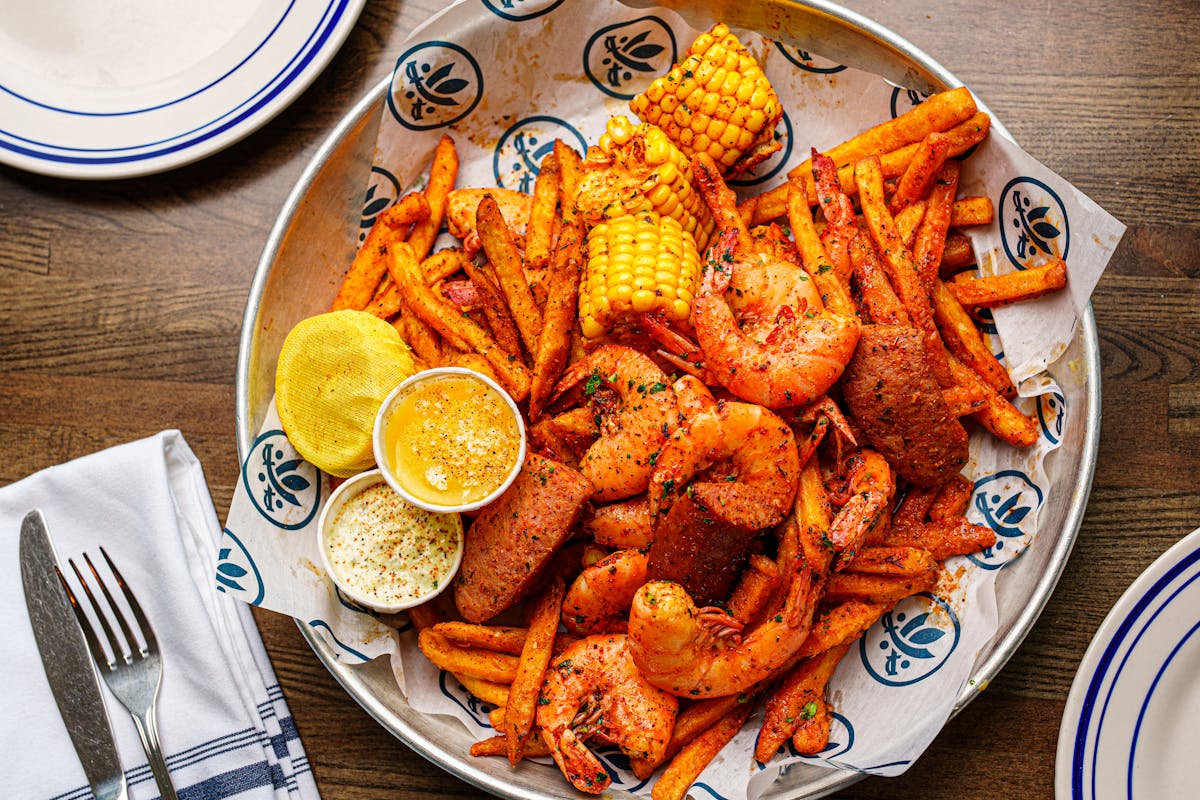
x: 886, y: 244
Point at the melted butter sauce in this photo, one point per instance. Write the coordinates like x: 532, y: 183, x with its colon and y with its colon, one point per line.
x: 383, y: 547
x: 451, y: 440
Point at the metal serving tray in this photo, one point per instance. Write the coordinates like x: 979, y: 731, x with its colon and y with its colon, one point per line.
x: 301, y: 268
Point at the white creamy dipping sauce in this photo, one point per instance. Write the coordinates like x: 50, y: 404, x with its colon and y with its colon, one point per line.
x: 383, y: 547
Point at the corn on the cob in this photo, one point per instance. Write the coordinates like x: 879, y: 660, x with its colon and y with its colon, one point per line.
x: 635, y: 168
x: 637, y: 263
x: 716, y: 101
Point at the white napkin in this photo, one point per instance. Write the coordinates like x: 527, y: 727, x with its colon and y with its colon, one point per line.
x: 225, y: 729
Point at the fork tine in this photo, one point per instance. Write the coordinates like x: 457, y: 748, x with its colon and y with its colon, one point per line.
x: 134, y: 647
x: 89, y: 631
x: 134, y: 606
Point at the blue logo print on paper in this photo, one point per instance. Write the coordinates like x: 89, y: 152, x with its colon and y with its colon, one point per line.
x: 382, y: 191
x: 1006, y: 500
x: 911, y: 642
x: 456, y: 692
x: 1052, y: 413
x: 1033, y: 223
x: 619, y: 767
x: 284, y: 487
x: 807, y: 61
x: 237, y: 572
x: 519, y: 154
x: 769, y: 168
x: 623, y: 59
x: 435, y: 84
x: 904, y: 100
x: 517, y: 10
x: 340, y: 648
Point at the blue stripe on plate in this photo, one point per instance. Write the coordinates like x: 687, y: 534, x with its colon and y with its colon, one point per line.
x: 305, y: 56
x: 1102, y: 667
x: 75, y: 112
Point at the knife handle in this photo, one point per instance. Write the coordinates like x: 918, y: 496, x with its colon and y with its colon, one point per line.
x: 147, y: 728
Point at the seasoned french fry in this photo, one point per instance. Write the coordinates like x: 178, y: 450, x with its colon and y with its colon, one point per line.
x: 931, y: 236
x: 908, y: 220
x: 504, y: 328
x: 797, y: 699
x: 370, y: 263
x: 952, y: 499
x: 998, y: 415
x: 442, y: 175
x: 499, y: 638
x: 459, y: 331
x: 443, y: 264
x: 691, y: 760
x: 892, y: 560
x: 542, y: 213
x: 956, y: 254
x: 570, y: 166
x: 962, y: 401
x: 554, y: 344
x: 955, y: 537
x: 812, y: 253
x: 485, y: 664
x: 902, y: 269
x: 920, y: 173
x: 968, y: 211
x: 841, y: 624
x: 772, y: 204
x: 940, y: 112
x: 386, y: 302
x: 754, y: 591
x: 487, y: 691
x: 532, y: 747
x: 521, y: 707
x: 506, y: 260
x: 690, y: 723
x: 965, y: 341
x: 1000, y: 290
x: 420, y: 337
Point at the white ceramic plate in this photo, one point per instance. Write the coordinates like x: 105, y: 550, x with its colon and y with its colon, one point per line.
x: 1132, y: 719
x: 122, y: 88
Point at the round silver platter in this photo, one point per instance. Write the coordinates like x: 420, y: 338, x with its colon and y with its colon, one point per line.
x: 302, y: 265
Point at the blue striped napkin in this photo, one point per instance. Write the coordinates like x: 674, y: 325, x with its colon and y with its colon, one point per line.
x: 225, y: 728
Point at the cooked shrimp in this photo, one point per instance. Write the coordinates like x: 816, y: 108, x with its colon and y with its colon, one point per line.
x: 687, y: 652
x: 599, y: 597
x: 762, y: 459
x: 870, y: 488
x: 625, y: 525
x: 620, y: 462
x: 759, y: 319
x: 594, y: 690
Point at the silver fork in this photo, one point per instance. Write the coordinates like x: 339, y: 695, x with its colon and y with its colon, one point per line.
x: 133, y: 672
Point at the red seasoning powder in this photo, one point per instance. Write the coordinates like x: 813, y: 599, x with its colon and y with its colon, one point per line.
x: 383, y: 547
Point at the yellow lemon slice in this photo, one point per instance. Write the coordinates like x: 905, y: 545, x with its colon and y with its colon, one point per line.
x: 334, y: 371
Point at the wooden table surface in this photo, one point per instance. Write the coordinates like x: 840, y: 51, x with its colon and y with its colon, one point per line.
x: 122, y: 301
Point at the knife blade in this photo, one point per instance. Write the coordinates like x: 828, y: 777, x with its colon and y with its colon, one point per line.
x: 67, y: 662
x: 815, y: 26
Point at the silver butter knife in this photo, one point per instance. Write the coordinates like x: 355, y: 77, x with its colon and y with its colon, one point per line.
x: 821, y: 27
x: 67, y: 662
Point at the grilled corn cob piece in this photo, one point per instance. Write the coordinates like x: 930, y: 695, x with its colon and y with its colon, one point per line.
x: 716, y: 101
x: 637, y: 263
x: 635, y: 168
